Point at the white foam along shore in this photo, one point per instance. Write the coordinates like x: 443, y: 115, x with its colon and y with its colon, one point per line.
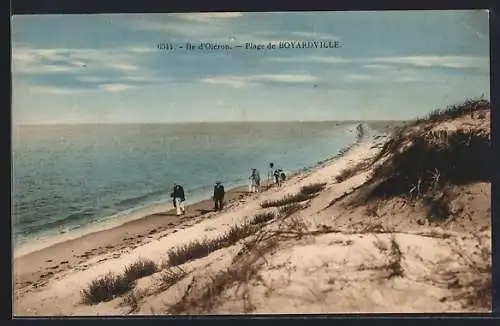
x: 120, y: 219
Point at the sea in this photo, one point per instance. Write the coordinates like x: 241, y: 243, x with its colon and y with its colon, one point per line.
x: 72, y: 178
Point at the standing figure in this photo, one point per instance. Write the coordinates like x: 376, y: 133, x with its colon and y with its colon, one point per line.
x: 257, y: 180
x: 252, y: 181
x: 270, y: 174
x: 277, y: 177
x: 282, y: 176
x: 178, y: 198
x: 218, y: 196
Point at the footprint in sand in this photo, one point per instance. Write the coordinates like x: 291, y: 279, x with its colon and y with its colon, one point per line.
x: 109, y: 247
x: 54, y: 267
x: 48, y: 261
x: 64, y: 262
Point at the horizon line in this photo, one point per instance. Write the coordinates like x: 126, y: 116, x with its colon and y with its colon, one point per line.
x: 202, y: 122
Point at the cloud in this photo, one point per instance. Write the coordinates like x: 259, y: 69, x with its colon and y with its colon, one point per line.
x: 321, y: 59
x: 116, y: 87
x: 207, y: 16
x: 437, y: 61
x: 54, y: 90
x: 240, y: 81
x: 92, y: 79
x: 123, y: 66
x: 59, y: 60
x: 359, y: 77
x: 314, y: 35
x: 378, y: 66
x: 427, y: 61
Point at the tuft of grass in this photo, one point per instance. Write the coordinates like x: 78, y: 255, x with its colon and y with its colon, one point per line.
x: 352, y: 171
x: 286, y: 200
x: 287, y: 210
x: 110, y: 286
x: 198, y: 249
x: 312, y: 189
x: 171, y: 276
x: 140, y: 269
x: 263, y: 217
x: 106, y: 288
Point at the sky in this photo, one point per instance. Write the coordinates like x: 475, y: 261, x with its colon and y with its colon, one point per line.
x: 393, y: 65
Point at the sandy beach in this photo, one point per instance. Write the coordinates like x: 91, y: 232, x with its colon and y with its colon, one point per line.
x: 37, y: 267
x: 330, y: 253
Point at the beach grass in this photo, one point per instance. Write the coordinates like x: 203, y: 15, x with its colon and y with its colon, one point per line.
x: 202, y: 248
x: 313, y: 188
x: 141, y: 268
x: 106, y: 288
x: 453, y: 111
x: 287, y: 210
x: 111, y: 285
x: 263, y: 217
x: 424, y: 161
x: 306, y: 192
x: 170, y: 276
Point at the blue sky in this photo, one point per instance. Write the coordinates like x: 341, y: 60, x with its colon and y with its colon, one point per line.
x: 107, y: 68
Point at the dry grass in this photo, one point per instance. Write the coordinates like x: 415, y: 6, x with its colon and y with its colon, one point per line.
x: 407, y: 174
x: 140, y: 269
x: 286, y: 200
x: 171, y: 276
x: 106, y: 288
x: 422, y: 162
x: 312, y: 189
x: 287, y: 210
x: 110, y: 286
x: 306, y: 192
x: 263, y: 217
x: 198, y: 249
x: 456, y: 110
x: 459, y: 157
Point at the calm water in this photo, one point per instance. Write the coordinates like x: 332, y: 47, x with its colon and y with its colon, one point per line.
x: 70, y: 177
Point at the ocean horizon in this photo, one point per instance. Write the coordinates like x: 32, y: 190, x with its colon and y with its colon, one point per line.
x: 71, y: 177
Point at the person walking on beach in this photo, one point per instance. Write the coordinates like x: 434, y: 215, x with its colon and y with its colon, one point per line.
x: 252, y: 186
x: 270, y: 174
x: 257, y: 180
x: 277, y: 177
x: 179, y: 199
x: 218, y: 196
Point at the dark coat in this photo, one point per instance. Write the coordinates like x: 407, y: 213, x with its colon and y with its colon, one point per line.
x: 178, y: 192
x: 219, y: 191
